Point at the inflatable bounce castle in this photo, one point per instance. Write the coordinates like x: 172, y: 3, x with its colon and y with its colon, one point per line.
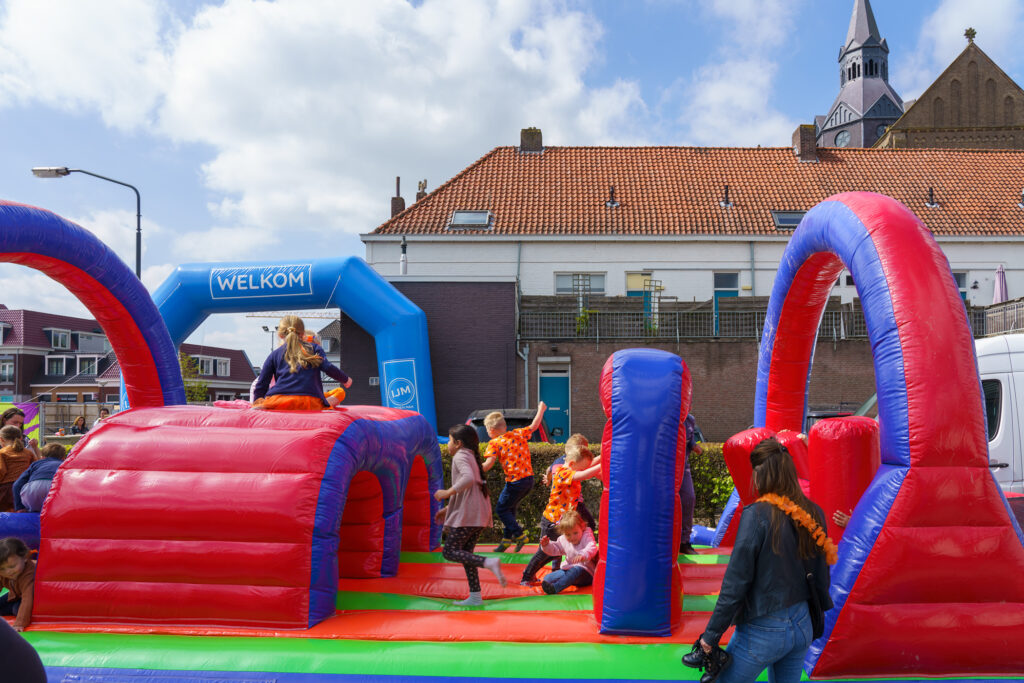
x: 200, y: 543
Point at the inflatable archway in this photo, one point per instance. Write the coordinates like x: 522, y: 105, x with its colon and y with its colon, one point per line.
x: 99, y: 279
x: 399, y: 328
x: 932, y: 553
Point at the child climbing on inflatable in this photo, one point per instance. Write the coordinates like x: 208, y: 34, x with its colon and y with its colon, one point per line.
x: 580, y: 549
x: 17, y: 575
x: 579, y: 464
x: 512, y: 450
x: 468, y: 511
x: 581, y: 505
x: 295, y: 367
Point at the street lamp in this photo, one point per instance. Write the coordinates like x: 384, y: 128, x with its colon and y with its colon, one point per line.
x: 267, y: 329
x: 61, y: 171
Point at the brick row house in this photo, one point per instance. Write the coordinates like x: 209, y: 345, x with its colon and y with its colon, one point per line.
x: 675, y: 247
x: 48, y: 357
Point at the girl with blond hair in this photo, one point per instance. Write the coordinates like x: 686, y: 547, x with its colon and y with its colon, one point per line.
x: 295, y: 367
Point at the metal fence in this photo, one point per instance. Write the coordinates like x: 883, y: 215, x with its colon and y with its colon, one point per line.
x: 701, y: 324
x: 1005, y: 317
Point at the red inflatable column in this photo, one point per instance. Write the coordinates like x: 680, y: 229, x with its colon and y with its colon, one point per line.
x: 844, y: 454
x: 736, y: 452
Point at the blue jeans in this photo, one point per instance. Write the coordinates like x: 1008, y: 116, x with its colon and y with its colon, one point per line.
x: 777, y: 642
x: 508, y: 503
x: 687, y: 501
x: 575, y: 575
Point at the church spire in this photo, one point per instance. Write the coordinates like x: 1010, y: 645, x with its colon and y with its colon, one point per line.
x: 863, y: 29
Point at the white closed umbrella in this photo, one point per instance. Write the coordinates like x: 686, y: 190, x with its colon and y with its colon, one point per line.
x: 999, y: 293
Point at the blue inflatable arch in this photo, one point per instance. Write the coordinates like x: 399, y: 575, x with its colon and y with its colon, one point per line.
x: 399, y: 328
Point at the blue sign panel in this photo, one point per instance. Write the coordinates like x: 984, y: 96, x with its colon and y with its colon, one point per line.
x: 244, y: 282
x: 400, y: 384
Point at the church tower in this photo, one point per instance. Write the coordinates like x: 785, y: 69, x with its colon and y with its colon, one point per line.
x: 866, y: 104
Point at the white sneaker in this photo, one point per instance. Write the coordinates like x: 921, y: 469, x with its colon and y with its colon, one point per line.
x: 474, y: 600
x: 493, y: 564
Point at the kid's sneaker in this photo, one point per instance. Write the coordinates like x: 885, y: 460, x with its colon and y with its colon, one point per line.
x: 520, y: 541
x: 503, y: 546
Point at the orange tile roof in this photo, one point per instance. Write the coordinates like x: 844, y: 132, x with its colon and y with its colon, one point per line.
x: 676, y: 190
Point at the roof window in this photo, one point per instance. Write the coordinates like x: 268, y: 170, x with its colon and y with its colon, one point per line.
x: 470, y: 220
x: 787, y: 220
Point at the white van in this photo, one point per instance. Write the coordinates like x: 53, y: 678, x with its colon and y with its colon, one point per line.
x: 1001, y: 366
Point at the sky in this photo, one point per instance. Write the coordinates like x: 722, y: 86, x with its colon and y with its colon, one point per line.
x: 274, y: 130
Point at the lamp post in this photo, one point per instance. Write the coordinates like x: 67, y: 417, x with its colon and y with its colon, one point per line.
x: 267, y: 329
x: 61, y: 171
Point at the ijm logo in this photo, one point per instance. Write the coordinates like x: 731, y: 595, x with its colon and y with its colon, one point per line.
x: 401, y: 393
x: 241, y: 282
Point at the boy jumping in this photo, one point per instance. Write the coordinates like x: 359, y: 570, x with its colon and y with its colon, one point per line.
x: 511, y: 449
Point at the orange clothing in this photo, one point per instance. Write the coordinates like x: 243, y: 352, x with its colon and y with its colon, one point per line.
x: 564, y: 493
x: 289, y: 402
x: 513, y: 452
x: 13, y: 464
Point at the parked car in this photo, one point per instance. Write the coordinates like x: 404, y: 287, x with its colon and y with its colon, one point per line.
x: 514, y: 419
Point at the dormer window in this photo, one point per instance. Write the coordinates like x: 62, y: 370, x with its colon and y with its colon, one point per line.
x: 787, y: 220
x: 470, y: 220
x: 223, y: 367
x: 60, y: 339
x: 205, y: 366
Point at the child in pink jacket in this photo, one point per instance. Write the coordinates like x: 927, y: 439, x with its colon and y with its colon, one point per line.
x: 580, y: 549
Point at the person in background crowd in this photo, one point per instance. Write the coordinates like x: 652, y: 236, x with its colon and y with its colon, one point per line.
x: 16, y: 417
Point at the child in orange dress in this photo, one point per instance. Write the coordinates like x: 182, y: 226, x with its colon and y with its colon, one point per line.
x: 295, y: 366
x: 579, y: 464
x: 17, y: 575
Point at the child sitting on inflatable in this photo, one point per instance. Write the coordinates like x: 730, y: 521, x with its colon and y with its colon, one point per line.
x: 295, y: 367
x: 580, y: 549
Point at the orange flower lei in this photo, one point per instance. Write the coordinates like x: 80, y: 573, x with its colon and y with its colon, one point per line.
x: 800, y: 516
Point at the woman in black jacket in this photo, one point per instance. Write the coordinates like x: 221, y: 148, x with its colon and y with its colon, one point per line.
x: 765, y: 590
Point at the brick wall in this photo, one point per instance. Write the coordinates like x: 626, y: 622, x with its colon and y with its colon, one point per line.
x: 723, y: 375
x: 471, y: 327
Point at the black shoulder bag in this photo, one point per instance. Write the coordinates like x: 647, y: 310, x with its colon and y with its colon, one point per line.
x: 814, y: 603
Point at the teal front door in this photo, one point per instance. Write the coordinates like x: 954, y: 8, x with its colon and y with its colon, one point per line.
x: 554, y: 391
x: 722, y: 294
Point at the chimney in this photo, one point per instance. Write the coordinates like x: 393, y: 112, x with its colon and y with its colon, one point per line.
x: 805, y: 144
x: 530, y: 140
x: 397, y: 203
x: 421, y: 189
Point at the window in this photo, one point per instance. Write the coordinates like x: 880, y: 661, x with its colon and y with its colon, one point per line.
x: 961, y: 284
x: 60, y: 339
x: 470, y: 220
x: 564, y: 282
x: 225, y: 397
x: 842, y: 138
x: 993, y: 391
x: 112, y: 398
x: 67, y: 398
x: 849, y: 280
x: 7, y: 371
x: 205, y: 366
x: 88, y: 398
x: 223, y: 367
x: 55, y: 366
x: 87, y: 365
x: 787, y: 220
x: 636, y: 283
x: 727, y: 281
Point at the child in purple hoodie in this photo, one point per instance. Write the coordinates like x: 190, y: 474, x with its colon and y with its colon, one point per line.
x: 580, y: 549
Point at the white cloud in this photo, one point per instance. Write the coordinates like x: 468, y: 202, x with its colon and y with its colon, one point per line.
x: 730, y: 100
x: 999, y: 24
x: 312, y: 111
x: 101, y: 54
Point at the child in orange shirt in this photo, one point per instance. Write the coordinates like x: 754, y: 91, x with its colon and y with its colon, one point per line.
x: 17, y: 575
x: 512, y: 450
x: 14, y: 459
x: 579, y: 464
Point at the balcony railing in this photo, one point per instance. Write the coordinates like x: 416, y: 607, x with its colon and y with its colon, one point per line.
x: 699, y: 324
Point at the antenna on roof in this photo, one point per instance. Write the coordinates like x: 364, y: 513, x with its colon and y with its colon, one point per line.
x: 725, y: 203
x: 931, y: 203
x: 1021, y: 205
x: 611, y: 203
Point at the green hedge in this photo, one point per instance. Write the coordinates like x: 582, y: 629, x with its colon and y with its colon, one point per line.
x: 711, y: 482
